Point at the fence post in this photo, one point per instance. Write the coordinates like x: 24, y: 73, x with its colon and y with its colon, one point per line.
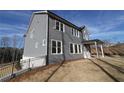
x: 12, y: 74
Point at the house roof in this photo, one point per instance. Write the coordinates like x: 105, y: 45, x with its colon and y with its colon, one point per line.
x: 53, y: 15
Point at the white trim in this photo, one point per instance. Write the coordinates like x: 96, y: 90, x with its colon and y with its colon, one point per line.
x: 59, y: 26
x: 63, y: 27
x: 73, y: 45
x: 56, y: 47
x: 78, y: 34
x: 80, y: 48
x: 56, y: 25
x: 75, y: 32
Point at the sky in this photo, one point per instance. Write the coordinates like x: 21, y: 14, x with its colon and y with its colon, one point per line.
x: 104, y: 25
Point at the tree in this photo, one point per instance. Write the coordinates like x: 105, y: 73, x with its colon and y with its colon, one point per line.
x: 14, y: 41
x: 5, y: 41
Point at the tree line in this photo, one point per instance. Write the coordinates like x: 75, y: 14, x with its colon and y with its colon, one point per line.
x: 9, y: 49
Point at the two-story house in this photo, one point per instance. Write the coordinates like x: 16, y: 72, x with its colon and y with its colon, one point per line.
x: 52, y: 39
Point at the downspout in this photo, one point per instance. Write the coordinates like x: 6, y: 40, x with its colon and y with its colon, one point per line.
x: 47, y: 57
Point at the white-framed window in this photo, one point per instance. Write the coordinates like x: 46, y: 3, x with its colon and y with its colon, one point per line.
x: 85, y: 35
x: 71, y: 48
x: 75, y: 48
x: 59, y: 26
x: 80, y: 49
x: 78, y: 34
x: 72, y: 31
x: 62, y: 27
x: 75, y: 32
x: 56, y: 47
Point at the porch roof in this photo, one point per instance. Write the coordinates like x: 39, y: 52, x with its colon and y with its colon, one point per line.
x: 91, y: 42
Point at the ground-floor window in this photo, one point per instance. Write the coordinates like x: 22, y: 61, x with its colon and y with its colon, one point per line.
x: 75, y: 48
x: 56, y: 46
x: 80, y: 49
x: 71, y: 48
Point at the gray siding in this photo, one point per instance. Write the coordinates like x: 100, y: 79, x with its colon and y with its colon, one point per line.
x: 68, y: 38
x: 39, y: 26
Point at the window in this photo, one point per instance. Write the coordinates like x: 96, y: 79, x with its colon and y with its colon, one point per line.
x: 57, y: 25
x: 53, y: 46
x: 72, y: 31
x: 56, y: 47
x: 71, y: 48
x: 80, y: 49
x: 62, y: 27
x: 59, y: 47
x: 78, y: 34
x: 75, y: 33
x: 85, y: 35
x: 76, y: 48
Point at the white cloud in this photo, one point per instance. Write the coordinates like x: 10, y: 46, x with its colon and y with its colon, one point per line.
x: 113, y: 36
x: 17, y: 13
x: 9, y: 29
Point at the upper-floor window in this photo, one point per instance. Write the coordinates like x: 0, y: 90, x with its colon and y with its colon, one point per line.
x: 62, y: 27
x: 75, y: 32
x: 56, y: 47
x: 85, y: 35
x: 72, y: 31
x: 59, y: 26
x: 78, y: 34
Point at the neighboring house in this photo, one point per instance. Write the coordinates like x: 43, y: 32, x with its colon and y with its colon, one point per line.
x: 52, y: 39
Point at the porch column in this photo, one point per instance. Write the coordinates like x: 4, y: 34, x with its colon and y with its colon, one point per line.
x: 96, y: 46
x: 102, y: 50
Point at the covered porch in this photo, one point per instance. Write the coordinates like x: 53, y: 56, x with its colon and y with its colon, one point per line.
x: 96, y: 44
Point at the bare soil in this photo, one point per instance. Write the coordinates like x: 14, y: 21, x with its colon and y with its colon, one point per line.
x: 83, y: 70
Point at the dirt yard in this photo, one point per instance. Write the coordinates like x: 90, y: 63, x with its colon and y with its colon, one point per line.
x: 94, y: 70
